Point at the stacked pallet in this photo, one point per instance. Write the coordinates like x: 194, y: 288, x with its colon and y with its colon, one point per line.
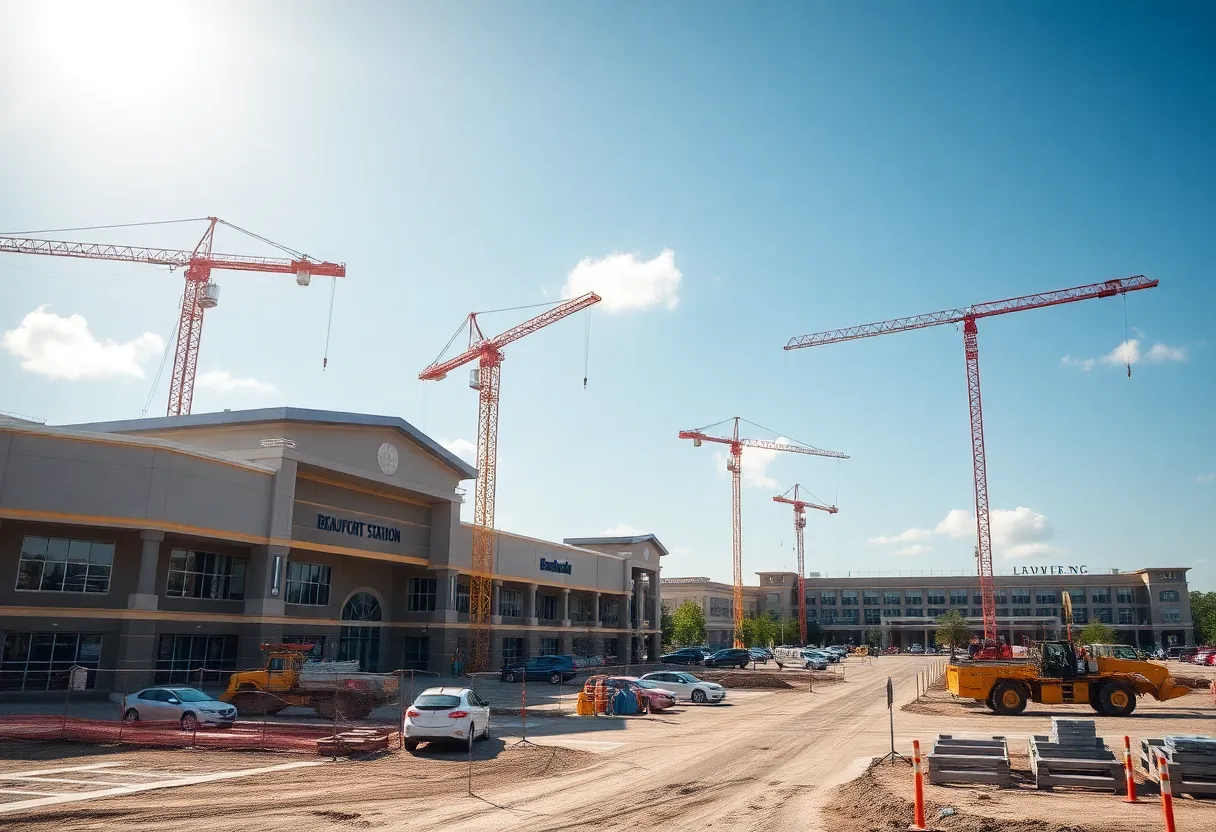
x: 1192, y: 761
x: 356, y: 741
x: 1073, y: 755
x: 970, y: 761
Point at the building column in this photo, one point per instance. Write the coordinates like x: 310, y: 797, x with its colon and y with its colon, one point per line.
x: 639, y: 603
x: 566, y: 609
x: 530, y: 605
x: 656, y: 602
x: 496, y: 602
x: 145, y: 596
x: 265, y: 596
x: 595, y: 610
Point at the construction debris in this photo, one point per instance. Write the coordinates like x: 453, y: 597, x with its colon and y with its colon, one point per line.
x: 970, y: 761
x: 1192, y: 762
x: 1073, y: 755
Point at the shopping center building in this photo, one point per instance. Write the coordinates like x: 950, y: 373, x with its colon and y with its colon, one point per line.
x: 170, y: 547
x: 1143, y: 606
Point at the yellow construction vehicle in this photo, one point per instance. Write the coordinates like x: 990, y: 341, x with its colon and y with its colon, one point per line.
x: 288, y: 680
x: 1105, y: 676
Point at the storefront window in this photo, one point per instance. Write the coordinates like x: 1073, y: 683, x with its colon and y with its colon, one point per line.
x: 307, y: 583
x: 195, y: 659
x: 206, y: 575
x: 511, y: 603
x: 57, y: 564
x: 42, y: 661
x: 422, y: 594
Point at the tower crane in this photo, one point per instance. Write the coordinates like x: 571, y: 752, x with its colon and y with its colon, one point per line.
x: 201, y: 292
x: 484, y: 378
x: 800, y: 507
x: 734, y: 464
x: 968, y: 316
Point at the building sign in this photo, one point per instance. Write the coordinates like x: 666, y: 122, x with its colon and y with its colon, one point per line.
x: 560, y: 566
x: 357, y: 528
x: 1051, y: 570
x: 1167, y: 576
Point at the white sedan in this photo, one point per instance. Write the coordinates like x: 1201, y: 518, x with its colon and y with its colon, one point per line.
x: 446, y: 715
x: 687, y: 686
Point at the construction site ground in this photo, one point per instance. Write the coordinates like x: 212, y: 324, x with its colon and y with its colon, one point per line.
x: 771, y: 759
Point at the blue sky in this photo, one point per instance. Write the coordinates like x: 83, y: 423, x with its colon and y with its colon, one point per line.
x: 808, y: 166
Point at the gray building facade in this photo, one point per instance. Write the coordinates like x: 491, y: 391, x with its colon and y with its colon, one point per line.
x: 172, y: 548
x: 1143, y: 606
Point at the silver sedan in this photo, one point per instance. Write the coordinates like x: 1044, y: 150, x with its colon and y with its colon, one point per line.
x: 189, y: 707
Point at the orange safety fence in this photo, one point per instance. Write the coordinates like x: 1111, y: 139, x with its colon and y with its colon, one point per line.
x: 251, y: 735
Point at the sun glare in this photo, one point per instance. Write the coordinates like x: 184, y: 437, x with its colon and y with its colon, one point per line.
x: 116, y: 48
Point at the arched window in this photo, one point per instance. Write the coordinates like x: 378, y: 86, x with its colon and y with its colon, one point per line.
x: 361, y: 643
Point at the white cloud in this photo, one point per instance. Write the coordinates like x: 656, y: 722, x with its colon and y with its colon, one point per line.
x: 903, y: 537
x: 462, y: 448
x: 914, y: 549
x: 225, y: 382
x: 621, y: 530
x: 1085, y: 364
x: 755, y: 464
x: 625, y: 282
x: 1028, y: 550
x: 64, y: 348
x: 1160, y: 353
x: 1130, y: 352
x: 958, y: 523
x: 1204, y: 478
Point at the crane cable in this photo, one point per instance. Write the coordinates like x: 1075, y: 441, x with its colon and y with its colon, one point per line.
x: 329, y: 324
x: 1127, y: 352
x: 163, y: 360
x: 586, y: 347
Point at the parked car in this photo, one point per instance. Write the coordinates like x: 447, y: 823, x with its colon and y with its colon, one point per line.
x: 652, y: 698
x: 729, y: 657
x: 447, y: 715
x: 916, y: 648
x: 685, y: 655
x: 1182, y: 654
x: 829, y: 656
x: 759, y: 655
x: 685, y: 686
x: 189, y: 707
x: 812, y: 660
x: 582, y: 662
x: 1203, y: 656
x: 553, y: 669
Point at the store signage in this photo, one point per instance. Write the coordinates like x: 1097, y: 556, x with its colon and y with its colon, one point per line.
x: 561, y: 566
x: 1167, y: 576
x: 1051, y: 570
x: 357, y: 528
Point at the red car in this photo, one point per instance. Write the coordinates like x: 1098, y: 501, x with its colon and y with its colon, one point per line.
x: 652, y: 700
x: 1204, y: 656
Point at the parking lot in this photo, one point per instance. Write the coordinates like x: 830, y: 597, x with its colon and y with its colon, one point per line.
x: 766, y: 760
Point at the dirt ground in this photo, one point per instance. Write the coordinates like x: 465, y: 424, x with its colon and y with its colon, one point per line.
x: 768, y: 760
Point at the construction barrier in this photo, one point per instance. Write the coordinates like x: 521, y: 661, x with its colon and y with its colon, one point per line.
x: 1129, y: 771
x: 918, y: 806
x: 1167, y: 792
x: 251, y: 735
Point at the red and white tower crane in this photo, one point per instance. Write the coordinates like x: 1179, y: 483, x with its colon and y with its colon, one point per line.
x: 484, y: 379
x: 800, y: 507
x: 734, y: 464
x: 201, y: 292
x: 968, y: 316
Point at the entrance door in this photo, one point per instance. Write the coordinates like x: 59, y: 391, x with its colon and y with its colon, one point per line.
x: 361, y: 643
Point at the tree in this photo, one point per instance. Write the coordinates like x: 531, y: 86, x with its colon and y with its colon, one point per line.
x: 1095, y: 632
x: 758, y: 631
x: 874, y: 636
x: 953, y: 631
x: 1203, y: 613
x: 666, y: 625
x: 688, y: 624
x: 814, y: 633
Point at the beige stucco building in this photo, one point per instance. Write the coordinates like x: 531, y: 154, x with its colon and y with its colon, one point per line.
x: 177, y: 545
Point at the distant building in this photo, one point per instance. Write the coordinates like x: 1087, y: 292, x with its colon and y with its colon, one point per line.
x: 1144, y: 606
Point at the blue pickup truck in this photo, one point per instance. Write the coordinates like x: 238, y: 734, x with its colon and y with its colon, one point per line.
x: 553, y: 669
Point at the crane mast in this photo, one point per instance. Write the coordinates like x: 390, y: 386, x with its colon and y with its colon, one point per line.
x: 487, y: 352
x: 968, y: 316
x: 734, y: 464
x: 800, y: 507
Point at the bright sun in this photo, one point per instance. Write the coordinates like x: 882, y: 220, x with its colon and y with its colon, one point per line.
x: 114, y: 47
